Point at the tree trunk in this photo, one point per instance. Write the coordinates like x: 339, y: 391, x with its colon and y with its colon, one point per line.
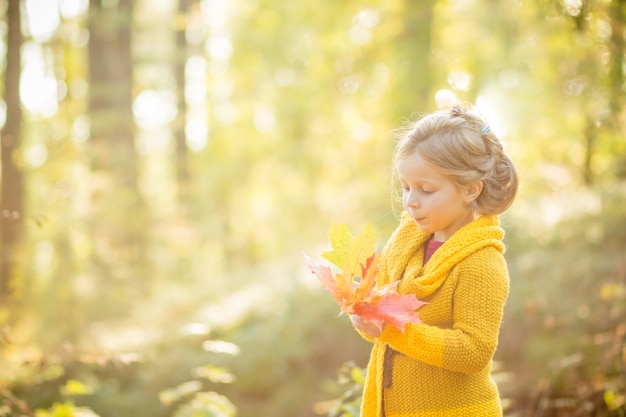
x: 591, y: 134
x: 616, y: 68
x: 12, y: 197
x: 182, y: 171
x: 616, y: 82
x: 118, y: 214
x: 110, y: 100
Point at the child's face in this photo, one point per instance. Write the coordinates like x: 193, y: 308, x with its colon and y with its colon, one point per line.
x: 436, y: 203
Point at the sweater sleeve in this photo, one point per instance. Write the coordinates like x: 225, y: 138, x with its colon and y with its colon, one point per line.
x: 479, y: 297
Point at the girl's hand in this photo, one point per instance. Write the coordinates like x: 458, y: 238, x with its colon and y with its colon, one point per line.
x: 366, y: 327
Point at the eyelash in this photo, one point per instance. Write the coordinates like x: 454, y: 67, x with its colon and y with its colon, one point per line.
x: 406, y: 189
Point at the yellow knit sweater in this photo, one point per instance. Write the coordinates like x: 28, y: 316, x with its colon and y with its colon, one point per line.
x: 441, y: 367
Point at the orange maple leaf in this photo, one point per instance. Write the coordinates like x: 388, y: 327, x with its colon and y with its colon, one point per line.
x: 358, y: 294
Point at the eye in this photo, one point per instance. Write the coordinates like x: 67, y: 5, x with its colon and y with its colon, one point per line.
x: 426, y: 191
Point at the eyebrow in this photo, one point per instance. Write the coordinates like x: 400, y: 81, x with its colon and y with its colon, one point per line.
x: 420, y: 183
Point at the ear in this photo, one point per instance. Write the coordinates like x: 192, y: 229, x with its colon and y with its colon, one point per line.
x: 472, y: 191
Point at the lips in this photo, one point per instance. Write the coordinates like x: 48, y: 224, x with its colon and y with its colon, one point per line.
x: 418, y: 219
x: 415, y: 218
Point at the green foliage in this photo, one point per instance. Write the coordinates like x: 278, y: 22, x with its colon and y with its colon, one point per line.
x: 203, y: 403
x: 51, y: 382
x: 124, y: 383
x: 289, y: 345
x: 65, y: 410
x: 569, y: 354
x: 207, y: 404
x: 349, y: 385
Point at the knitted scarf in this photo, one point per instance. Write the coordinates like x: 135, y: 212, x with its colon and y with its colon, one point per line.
x: 424, y: 280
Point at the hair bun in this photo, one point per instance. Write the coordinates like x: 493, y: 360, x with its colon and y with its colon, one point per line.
x: 458, y: 111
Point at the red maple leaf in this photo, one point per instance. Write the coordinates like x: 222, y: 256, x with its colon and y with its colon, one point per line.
x: 355, y: 291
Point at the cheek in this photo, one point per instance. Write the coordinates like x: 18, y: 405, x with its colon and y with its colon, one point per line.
x: 405, y: 198
x: 435, y: 203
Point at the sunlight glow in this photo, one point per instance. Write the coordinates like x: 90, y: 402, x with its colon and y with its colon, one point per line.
x: 220, y: 346
x: 38, y: 87
x: 3, y: 44
x: 226, y: 112
x: 36, y: 155
x: 460, y: 80
x: 154, y: 109
x: 362, y: 131
x: 42, y: 17
x: 603, y: 28
x: 563, y: 205
x: 72, y: 9
x: 219, y: 47
x: 196, y: 132
x: 573, y: 7
x: 196, y: 329
x: 195, y: 81
x: 284, y: 76
x: 362, y: 24
x: 261, y: 202
x: 77, y: 37
x: 264, y: 121
x: 490, y: 106
x: 43, y: 258
x: 574, y: 86
x: 508, y: 79
x: 38, y: 90
x: 445, y: 98
x: 233, y: 307
x: 195, y: 67
x: 3, y: 113
x: 223, y: 108
x: 218, y: 68
x: 368, y: 18
x: 148, y: 142
x: 557, y: 176
x: 350, y: 84
x: 360, y: 35
x: 215, y: 13
x: 81, y: 129
x: 116, y: 338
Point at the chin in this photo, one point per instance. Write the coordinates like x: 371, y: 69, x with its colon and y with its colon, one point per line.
x: 423, y: 227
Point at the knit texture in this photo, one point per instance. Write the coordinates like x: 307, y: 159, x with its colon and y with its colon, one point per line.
x: 441, y: 367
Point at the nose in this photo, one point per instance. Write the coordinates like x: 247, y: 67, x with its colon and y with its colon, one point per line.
x: 411, y: 200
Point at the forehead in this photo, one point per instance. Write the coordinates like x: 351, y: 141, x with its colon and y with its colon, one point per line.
x: 414, y: 168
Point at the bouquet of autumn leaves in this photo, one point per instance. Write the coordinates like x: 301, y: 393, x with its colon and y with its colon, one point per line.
x: 354, y: 286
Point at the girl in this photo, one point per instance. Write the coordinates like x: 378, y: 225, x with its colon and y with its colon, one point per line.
x: 447, y: 251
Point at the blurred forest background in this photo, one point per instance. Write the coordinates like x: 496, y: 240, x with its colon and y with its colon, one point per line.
x: 166, y: 162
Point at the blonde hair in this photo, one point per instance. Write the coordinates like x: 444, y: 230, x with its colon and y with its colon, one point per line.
x: 462, y: 146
